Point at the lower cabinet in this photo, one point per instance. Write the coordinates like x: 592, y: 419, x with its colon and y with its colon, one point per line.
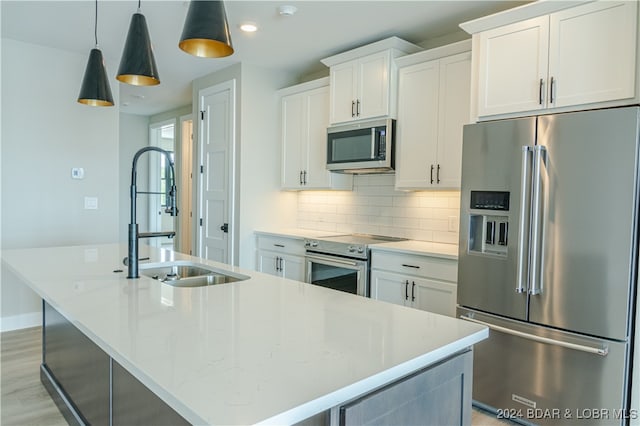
x: 281, y: 256
x: 88, y: 386
x: 438, y: 395
x: 421, y: 282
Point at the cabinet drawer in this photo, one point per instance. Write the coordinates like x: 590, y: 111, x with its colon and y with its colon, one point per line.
x: 421, y: 266
x: 281, y: 245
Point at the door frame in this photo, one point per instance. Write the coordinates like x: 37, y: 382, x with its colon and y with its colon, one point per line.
x: 231, y: 167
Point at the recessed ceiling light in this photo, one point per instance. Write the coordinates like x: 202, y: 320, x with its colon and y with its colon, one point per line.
x: 287, y: 10
x: 249, y: 27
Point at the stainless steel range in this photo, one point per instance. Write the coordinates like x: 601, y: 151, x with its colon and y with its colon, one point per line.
x: 341, y: 262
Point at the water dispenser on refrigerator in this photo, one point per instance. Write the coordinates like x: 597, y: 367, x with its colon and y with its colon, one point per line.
x: 489, y: 223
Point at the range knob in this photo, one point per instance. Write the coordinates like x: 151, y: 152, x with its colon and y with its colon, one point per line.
x: 360, y: 249
x: 314, y: 244
x: 352, y: 249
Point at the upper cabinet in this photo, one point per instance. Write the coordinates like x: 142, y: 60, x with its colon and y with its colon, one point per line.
x: 305, y: 117
x: 363, y: 80
x: 575, y: 58
x: 433, y: 107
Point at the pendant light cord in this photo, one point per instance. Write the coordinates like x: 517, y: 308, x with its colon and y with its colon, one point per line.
x: 95, y: 27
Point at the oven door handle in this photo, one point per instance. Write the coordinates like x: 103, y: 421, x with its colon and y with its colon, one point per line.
x: 332, y: 260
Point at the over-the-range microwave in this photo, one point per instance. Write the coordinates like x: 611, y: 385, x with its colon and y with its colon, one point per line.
x: 362, y: 147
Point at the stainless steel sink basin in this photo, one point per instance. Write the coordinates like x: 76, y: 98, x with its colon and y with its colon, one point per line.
x: 187, y: 274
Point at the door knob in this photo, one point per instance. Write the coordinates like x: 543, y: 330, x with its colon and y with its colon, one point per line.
x: 225, y: 227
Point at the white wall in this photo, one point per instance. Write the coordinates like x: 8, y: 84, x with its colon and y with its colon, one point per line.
x: 262, y: 204
x: 45, y: 133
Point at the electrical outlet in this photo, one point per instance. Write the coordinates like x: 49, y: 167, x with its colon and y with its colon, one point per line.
x: 453, y: 223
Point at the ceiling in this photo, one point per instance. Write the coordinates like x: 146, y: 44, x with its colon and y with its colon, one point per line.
x: 293, y: 43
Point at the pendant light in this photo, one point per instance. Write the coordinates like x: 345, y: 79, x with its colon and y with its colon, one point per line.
x: 206, y: 30
x: 95, y: 90
x: 137, y: 65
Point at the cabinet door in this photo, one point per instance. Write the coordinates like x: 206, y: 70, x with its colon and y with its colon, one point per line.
x: 592, y: 51
x: 343, y: 92
x: 293, y: 134
x: 373, y: 86
x: 317, y: 106
x: 389, y: 287
x: 417, y: 126
x: 268, y: 262
x: 433, y: 296
x: 454, y: 99
x: 513, y: 63
x: 293, y: 267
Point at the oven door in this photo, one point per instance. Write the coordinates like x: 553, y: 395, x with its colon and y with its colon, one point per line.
x: 348, y: 275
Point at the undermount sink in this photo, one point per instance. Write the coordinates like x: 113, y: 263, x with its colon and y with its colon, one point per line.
x: 187, y: 274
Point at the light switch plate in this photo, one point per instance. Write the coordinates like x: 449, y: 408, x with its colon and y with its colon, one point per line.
x: 90, y: 203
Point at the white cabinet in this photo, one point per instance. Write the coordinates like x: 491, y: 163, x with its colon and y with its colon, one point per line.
x: 281, y: 256
x: 363, y: 80
x: 576, y: 57
x: 433, y: 106
x: 360, y: 88
x: 305, y: 117
x: 421, y: 282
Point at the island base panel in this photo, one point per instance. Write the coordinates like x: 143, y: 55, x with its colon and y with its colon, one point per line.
x: 88, y: 386
x: 439, y: 394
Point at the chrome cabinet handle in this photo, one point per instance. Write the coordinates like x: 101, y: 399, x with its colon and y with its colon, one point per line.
x: 353, y: 105
x: 304, y: 177
x: 552, y: 86
x: 300, y: 177
x: 358, y: 107
x: 431, y: 176
x: 438, y: 174
x: 541, y: 92
x: 279, y: 245
x: 602, y: 351
x: 413, y: 289
x: 406, y: 290
x: 523, y: 226
x: 537, y: 227
x: 281, y: 260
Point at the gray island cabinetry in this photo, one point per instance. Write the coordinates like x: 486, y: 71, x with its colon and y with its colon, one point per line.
x: 265, y: 350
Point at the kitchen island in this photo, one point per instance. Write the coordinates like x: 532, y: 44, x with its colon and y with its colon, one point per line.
x: 263, y: 350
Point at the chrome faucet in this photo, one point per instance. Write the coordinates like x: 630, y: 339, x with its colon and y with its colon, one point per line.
x: 134, y: 235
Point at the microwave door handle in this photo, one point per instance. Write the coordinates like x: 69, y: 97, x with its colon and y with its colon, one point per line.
x: 373, y: 143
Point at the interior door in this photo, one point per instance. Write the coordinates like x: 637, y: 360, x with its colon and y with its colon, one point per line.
x: 492, y: 160
x: 216, y: 171
x: 588, y: 221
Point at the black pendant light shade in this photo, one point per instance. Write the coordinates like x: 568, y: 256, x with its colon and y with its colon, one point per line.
x: 138, y: 66
x: 206, y: 30
x: 95, y: 90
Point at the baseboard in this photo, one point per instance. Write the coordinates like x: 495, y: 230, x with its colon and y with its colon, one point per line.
x: 17, y: 322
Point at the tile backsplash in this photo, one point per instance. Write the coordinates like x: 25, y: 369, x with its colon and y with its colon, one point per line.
x: 375, y: 207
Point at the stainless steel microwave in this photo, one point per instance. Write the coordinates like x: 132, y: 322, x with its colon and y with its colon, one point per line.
x: 363, y: 147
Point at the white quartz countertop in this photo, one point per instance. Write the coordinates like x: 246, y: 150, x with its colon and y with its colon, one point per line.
x: 266, y: 350
x: 447, y: 251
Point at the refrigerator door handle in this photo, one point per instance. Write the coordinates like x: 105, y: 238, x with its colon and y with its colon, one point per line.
x: 537, y: 225
x: 523, y: 234
x: 602, y: 351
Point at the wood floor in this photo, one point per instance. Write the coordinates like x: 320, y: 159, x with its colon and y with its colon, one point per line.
x: 25, y: 402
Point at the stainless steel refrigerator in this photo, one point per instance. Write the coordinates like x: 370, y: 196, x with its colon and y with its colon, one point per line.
x: 548, y: 260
